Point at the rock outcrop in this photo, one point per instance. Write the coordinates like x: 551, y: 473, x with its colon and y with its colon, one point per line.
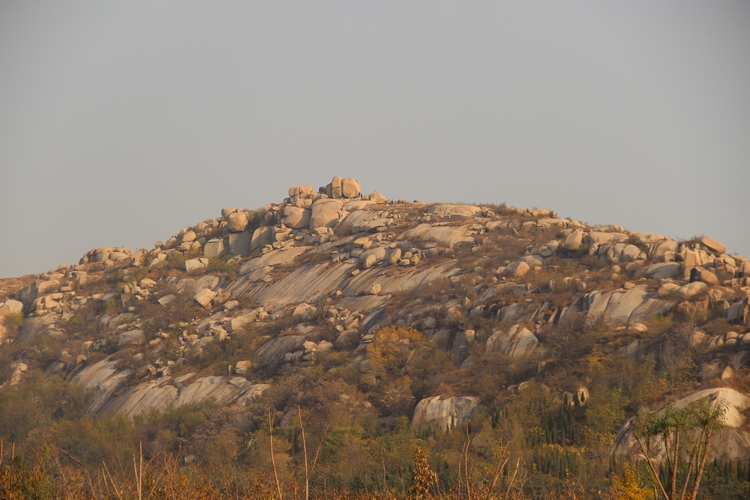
x: 444, y: 413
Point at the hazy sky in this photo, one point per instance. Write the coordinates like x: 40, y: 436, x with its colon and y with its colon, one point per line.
x: 122, y: 122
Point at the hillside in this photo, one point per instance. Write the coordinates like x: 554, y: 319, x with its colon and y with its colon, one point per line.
x: 485, y: 335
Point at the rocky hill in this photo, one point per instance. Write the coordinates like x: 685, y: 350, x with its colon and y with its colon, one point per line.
x: 349, y: 305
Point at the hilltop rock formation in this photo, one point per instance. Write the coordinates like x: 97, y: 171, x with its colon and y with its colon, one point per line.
x: 321, y: 273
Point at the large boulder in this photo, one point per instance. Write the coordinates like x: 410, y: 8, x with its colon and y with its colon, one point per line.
x: 204, y: 297
x: 621, y: 307
x: 739, y: 311
x: 296, y: 218
x: 706, y: 277
x: 517, y: 269
x: 663, y: 270
x: 573, y: 241
x: 516, y: 342
x: 349, y: 188
x: 301, y: 191
x: 443, y: 413
x: 11, y: 307
x: 237, y: 222
x: 193, y: 264
x: 713, y: 245
x: 692, y: 289
x: 335, y: 191
x: 325, y: 212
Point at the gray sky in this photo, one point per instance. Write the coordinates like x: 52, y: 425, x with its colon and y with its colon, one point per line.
x: 122, y: 122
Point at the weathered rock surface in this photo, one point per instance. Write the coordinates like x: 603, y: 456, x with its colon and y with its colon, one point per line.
x: 362, y: 221
x: 262, y: 236
x: 113, y: 396
x: 272, y: 352
x: 444, y: 236
x: 325, y: 213
x: 214, y: 247
x: 516, y: 342
x: 625, y: 306
x: 34, y: 327
x: 443, y: 413
x: 454, y: 212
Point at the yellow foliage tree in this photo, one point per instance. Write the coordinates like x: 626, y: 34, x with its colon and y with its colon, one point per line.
x: 629, y: 487
x: 392, y: 347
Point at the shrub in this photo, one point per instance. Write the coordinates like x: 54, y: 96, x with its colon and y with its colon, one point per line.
x: 12, y: 324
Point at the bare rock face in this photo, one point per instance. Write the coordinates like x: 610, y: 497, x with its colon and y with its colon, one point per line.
x: 37, y: 289
x: 622, y: 307
x: 443, y: 236
x: 272, y: 352
x: 34, y: 327
x: 443, y: 413
x: 362, y: 221
x: 707, y: 277
x: 516, y: 342
x: 262, y: 236
x: 241, y: 243
x: 214, y: 247
x: 454, y: 212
